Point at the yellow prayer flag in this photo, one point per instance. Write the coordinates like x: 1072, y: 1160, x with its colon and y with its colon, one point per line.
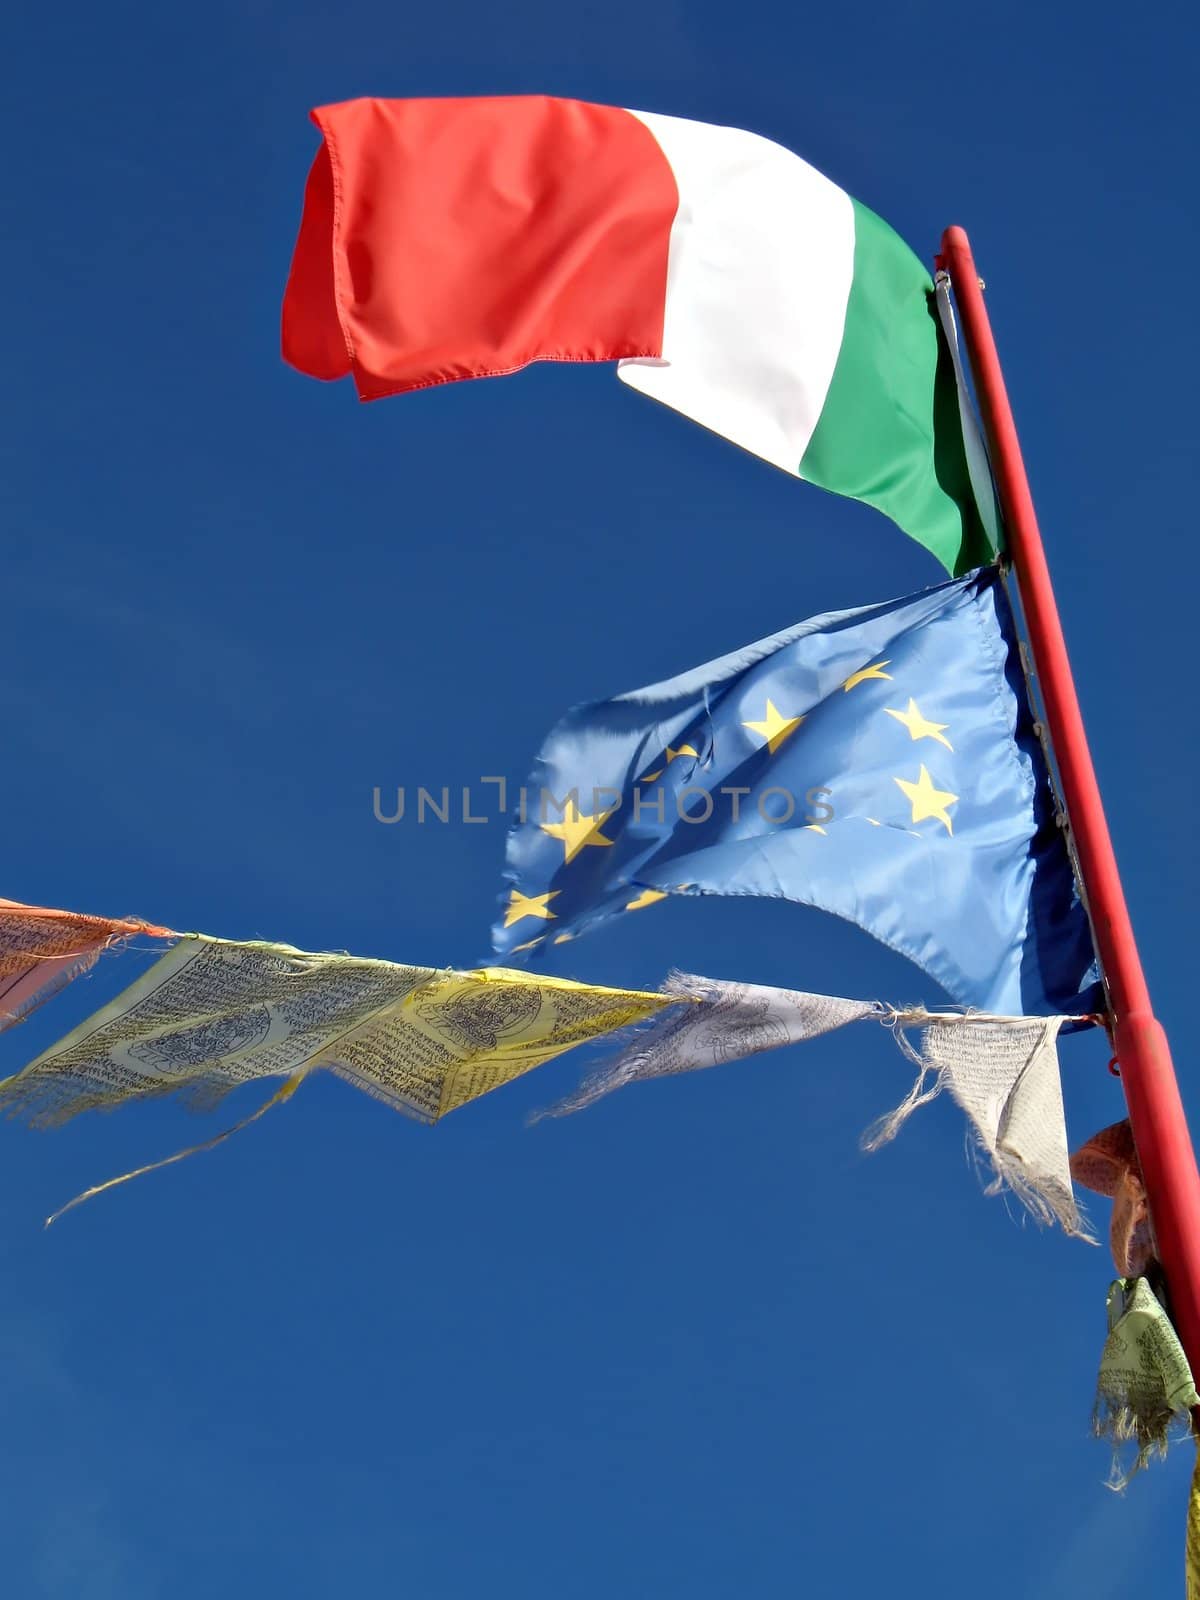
x: 214, y: 1013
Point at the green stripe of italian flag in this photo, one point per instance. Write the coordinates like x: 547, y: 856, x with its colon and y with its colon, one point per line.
x: 447, y: 239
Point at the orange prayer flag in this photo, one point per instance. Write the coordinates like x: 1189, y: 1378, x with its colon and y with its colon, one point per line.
x: 42, y: 950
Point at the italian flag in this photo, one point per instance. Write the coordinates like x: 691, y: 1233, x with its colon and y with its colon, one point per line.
x: 448, y: 239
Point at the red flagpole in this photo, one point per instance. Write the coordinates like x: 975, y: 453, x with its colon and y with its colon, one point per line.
x: 1156, y: 1116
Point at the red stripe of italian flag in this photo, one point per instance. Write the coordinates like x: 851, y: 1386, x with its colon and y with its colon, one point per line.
x: 448, y: 239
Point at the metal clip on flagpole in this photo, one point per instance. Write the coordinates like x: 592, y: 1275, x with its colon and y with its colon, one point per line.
x: 1156, y: 1115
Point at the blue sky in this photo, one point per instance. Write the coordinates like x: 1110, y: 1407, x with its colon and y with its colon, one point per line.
x: 692, y: 1342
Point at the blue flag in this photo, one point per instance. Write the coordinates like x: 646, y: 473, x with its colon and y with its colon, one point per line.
x: 881, y: 764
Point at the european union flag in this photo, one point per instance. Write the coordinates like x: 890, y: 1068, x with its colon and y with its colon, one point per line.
x: 880, y: 763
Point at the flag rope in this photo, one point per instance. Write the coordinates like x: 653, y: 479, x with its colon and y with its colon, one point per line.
x: 284, y: 1092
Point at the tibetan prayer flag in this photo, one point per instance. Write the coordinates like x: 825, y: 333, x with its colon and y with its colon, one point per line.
x: 1145, y: 1384
x: 1108, y: 1164
x: 880, y: 763
x: 466, y: 238
x: 42, y: 950
x: 1002, y: 1072
x: 725, y: 1022
x: 212, y: 1014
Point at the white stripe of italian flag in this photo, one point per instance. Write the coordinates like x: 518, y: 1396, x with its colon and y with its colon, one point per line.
x: 448, y: 239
